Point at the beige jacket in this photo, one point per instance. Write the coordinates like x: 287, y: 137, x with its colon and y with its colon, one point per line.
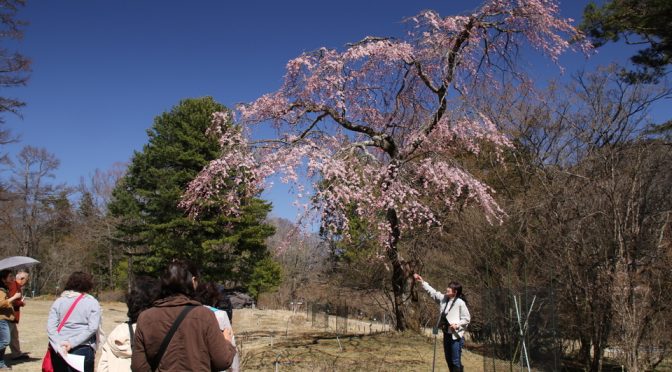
x: 116, y: 351
x: 6, y: 308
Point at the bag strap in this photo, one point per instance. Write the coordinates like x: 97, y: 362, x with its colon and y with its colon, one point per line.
x: 450, y: 308
x: 154, y: 363
x: 130, y: 332
x: 452, y: 304
x: 67, y: 315
x: 438, y: 321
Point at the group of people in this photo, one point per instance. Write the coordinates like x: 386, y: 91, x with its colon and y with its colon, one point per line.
x: 173, y: 325
x: 176, y: 306
x: 11, y: 301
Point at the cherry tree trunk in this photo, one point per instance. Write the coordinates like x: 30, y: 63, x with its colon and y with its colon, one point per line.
x: 398, y: 275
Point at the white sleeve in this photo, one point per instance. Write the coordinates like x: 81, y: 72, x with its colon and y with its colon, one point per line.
x: 433, y: 293
x: 465, y: 317
x: 223, y: 320
x: 104, y: 363
x: 224, y: 323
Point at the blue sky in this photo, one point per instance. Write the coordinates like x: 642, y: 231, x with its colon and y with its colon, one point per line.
x: 102, y: 70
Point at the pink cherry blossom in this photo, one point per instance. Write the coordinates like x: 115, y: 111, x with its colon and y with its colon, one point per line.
x: 376, y: 129
x: 370, y: 126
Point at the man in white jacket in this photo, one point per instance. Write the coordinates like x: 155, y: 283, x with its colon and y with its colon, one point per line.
x: 456, y: 316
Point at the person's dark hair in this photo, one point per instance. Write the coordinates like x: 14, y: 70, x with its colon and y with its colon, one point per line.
x: 177, y: 279
x: 457, y: 287
x: 3, y: 276
x: 79, y: 281
x: 145, y: 291
x: 207, y: 294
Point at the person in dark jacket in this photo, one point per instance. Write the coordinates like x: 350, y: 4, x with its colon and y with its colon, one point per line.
x: 197, y: 345
x: 6, y: 313
x: 21, y: 279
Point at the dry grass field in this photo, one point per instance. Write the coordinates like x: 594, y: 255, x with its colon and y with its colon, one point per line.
x: 272, y: 340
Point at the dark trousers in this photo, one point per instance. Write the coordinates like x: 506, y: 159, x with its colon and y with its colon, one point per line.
x: 61, y: 365
x: 452, y: 350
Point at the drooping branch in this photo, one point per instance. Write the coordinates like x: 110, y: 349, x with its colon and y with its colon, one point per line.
x: 440, y: 92
x: 392, y: 99
x: 454, y: 52
x: 380, y: 139
x: 312, y: 125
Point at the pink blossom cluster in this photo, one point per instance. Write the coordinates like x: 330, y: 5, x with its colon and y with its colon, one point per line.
x: 227, y: 181
x: 266, y: 106
x: 497, y: 27
x: 386, y: 50
x: 378, y: 127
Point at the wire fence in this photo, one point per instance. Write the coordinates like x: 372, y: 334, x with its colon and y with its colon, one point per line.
x: 342, y: 319
x: 298, y: 320
x: 519, y: 330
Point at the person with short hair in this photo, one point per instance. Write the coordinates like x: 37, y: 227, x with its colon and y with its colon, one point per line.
x: 117, y: 350
x: 20, y: 281
x: 6, y: 313
x: 455, y: 318
x: 79, y: 333
x: 197, y: 344
x: 210, y: 297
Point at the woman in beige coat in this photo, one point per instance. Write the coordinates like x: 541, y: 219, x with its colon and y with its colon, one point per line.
x: 117, y: 349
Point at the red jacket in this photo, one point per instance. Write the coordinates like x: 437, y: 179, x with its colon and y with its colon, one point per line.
x: 17, y: 304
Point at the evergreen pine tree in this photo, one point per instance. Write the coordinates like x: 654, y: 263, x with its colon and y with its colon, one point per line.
x: 87, y: 209
x: 151, y: 226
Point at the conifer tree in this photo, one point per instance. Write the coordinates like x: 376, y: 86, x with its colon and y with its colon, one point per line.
x: 637, y: 22
x: 152, y: 227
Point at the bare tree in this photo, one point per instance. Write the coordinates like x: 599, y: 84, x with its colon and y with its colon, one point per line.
x: 14, y: 67
x: 595, y: 208
x: 303, y: 257
x: 586, y: 190
x: 35, y: 209
x: 30, y: 186
x: 96, y: 226
x: 101, y: 184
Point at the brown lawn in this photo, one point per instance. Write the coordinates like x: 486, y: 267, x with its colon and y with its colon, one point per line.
x: 269, y: 337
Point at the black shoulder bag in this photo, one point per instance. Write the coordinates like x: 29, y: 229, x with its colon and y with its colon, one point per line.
x: 154, y: 363
x: 440, y: 322
x: 443, y: 323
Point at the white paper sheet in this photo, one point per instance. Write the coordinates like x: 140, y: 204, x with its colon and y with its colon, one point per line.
x: 75, y: 361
